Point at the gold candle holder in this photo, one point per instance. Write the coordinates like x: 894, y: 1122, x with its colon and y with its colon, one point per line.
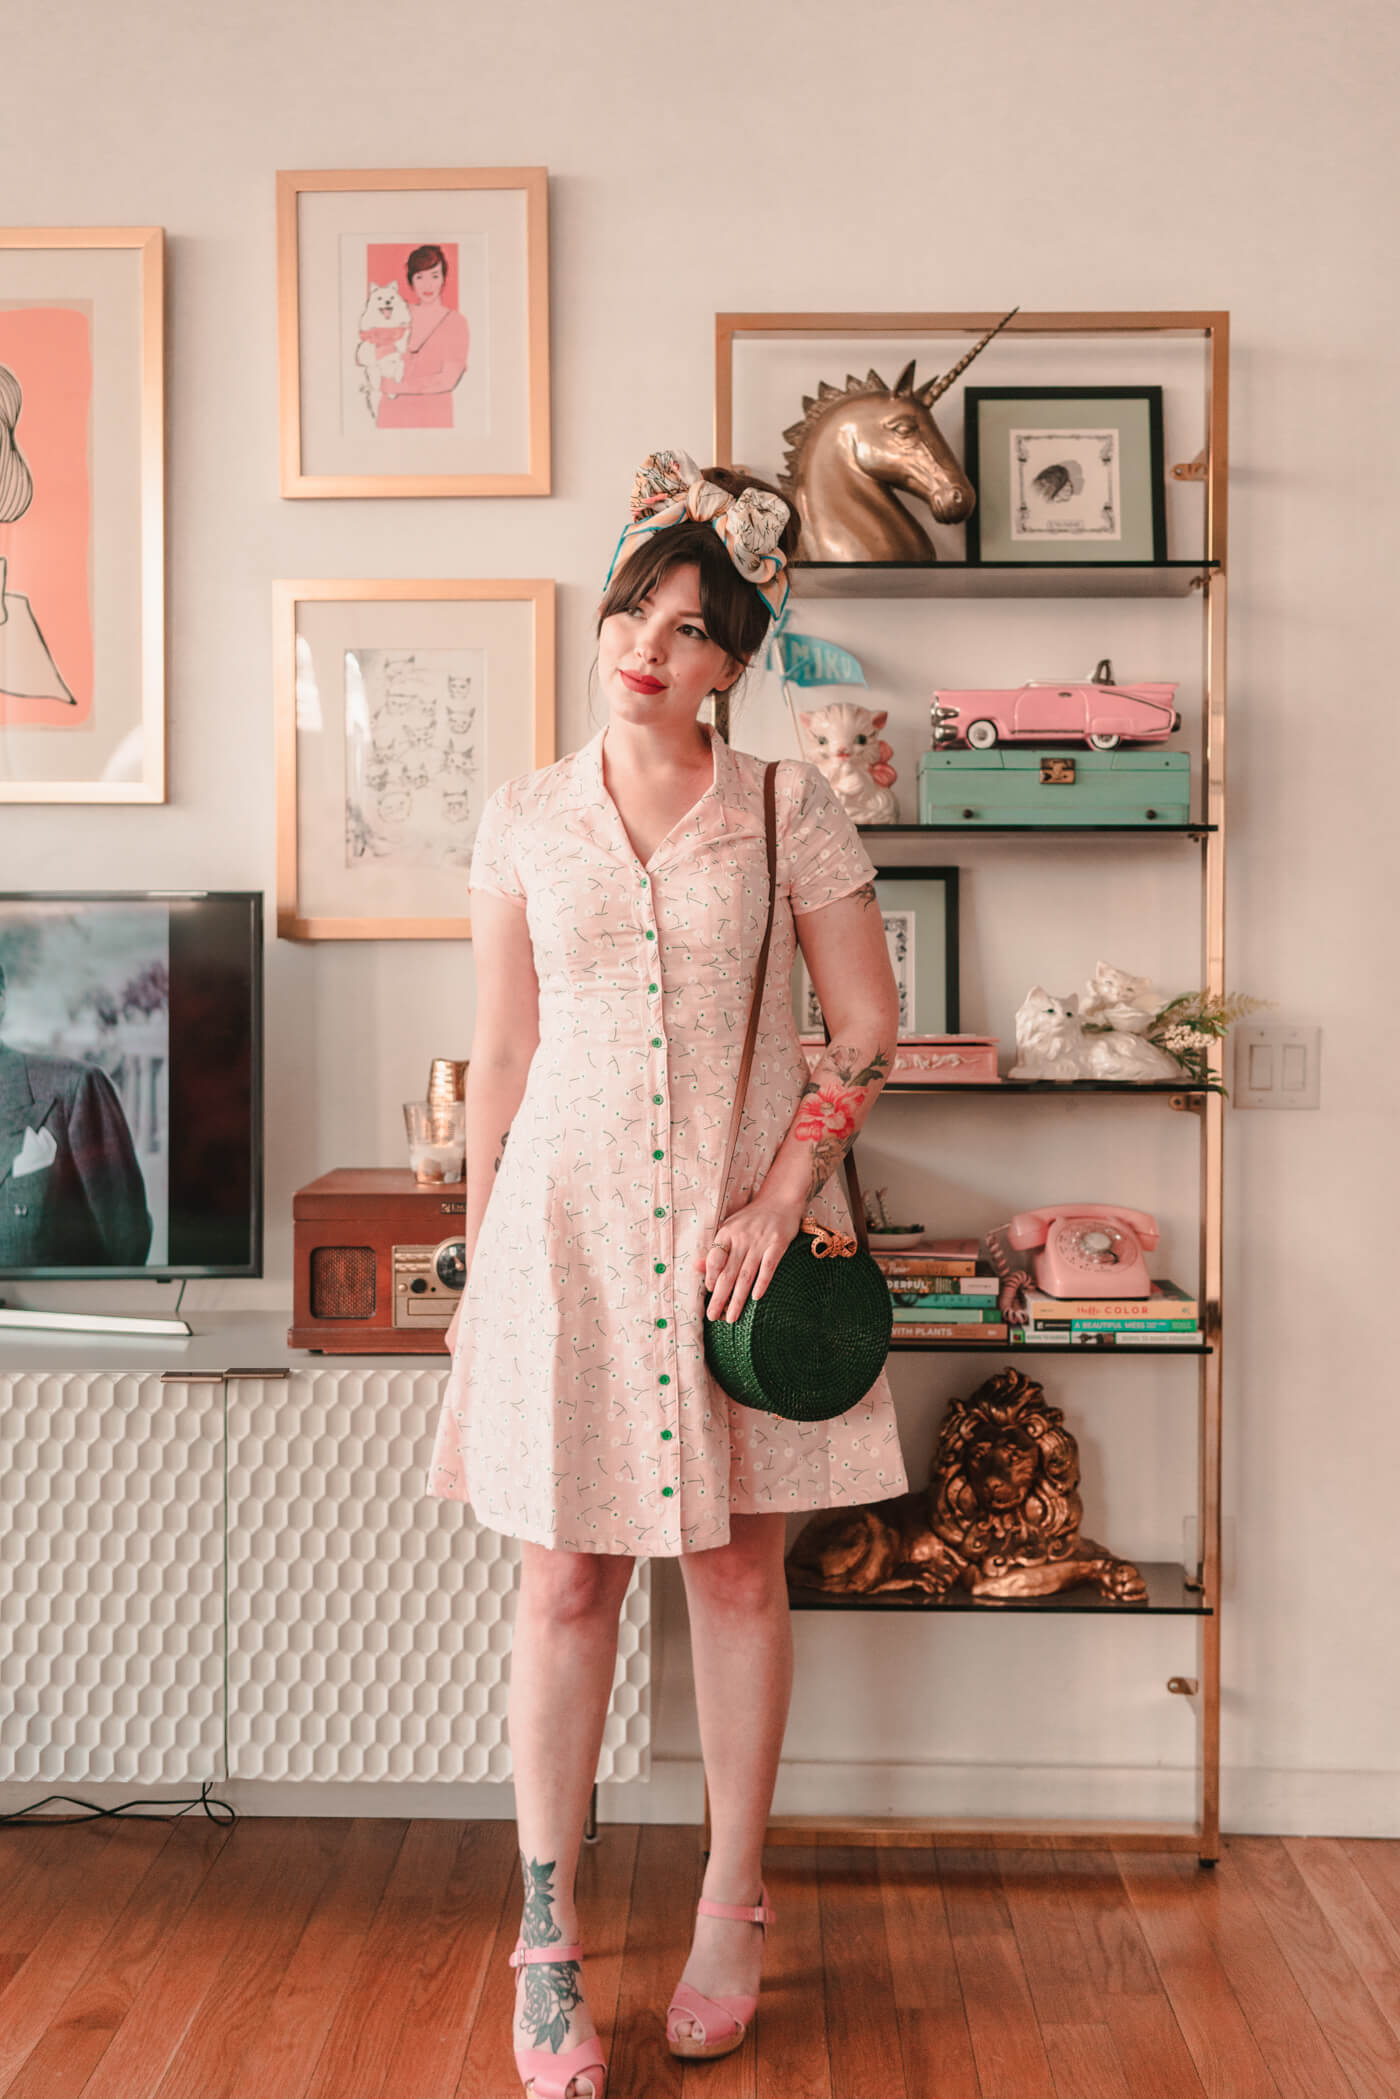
x: 447, y: 1083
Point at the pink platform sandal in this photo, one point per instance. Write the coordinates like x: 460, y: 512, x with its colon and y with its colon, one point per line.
x: 723, y: 2021
x: 544, y: 2074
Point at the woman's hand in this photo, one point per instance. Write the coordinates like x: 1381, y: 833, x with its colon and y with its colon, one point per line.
x: 758, y: 1236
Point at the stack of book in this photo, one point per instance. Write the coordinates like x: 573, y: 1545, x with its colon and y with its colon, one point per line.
x: 1166, y: 1319
x: 942, y: 1293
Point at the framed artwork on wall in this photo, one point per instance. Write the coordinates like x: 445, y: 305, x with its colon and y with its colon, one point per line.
x: 82, y: 514
x: 1066, y: 473
x: 413, y: 331
x: 400, y: 707
x: 919, y: 906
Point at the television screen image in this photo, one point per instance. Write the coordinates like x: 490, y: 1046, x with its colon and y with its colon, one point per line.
x: 130, y: 1083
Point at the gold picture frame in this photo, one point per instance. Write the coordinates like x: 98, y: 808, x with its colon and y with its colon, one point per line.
x: 335, y: 230
x: 83, y: 409
x: 401, y: 705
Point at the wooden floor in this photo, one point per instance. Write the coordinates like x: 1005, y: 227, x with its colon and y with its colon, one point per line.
x: 308, y: 1959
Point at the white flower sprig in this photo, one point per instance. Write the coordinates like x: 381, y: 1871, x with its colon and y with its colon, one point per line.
x: 1187, y: 1026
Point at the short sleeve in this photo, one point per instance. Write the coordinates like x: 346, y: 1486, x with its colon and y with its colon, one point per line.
x: 493, y: 862
x: 825, y: 856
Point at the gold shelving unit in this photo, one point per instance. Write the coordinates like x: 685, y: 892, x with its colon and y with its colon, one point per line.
x: 1193, y: 1592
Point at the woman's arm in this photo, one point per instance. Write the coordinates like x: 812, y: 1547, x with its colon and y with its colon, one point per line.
x: 436, y: 368
x: 847, y: 954
x: 504, y: 1040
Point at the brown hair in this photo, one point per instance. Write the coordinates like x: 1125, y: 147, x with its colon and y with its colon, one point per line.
x: 430, y: 257
x: 735, y: 615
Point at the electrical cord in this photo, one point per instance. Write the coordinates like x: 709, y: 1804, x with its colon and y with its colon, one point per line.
x: 94, y: 1813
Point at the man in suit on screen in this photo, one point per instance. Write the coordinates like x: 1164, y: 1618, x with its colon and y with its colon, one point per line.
x: 71, y: 1190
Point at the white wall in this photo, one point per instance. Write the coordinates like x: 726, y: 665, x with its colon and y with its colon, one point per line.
x: 738, y: 157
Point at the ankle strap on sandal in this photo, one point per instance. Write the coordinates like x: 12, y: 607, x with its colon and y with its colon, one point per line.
x: 760, y: 1913
x: 532, y: 1956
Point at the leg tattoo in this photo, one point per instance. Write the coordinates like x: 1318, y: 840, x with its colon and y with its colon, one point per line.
x: 551, y: 1987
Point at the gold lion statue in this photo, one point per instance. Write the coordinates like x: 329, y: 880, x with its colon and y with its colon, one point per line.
x: 1000, y: 1515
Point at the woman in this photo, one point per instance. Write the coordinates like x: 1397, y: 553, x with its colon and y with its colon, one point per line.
x: 435, y: 355
x: 618, y: 905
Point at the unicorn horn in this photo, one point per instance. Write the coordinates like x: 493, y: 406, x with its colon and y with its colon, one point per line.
x: 930, y: 391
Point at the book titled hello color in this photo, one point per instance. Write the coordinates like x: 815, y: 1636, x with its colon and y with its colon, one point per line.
x: 1167, y: 1301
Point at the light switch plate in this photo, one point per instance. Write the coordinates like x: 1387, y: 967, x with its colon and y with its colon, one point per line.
x: 1276, y: 1066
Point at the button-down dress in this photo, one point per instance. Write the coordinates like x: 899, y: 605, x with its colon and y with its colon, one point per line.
x: 579, y: 1411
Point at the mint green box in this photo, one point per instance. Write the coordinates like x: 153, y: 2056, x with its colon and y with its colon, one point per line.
x: 1066, y: 785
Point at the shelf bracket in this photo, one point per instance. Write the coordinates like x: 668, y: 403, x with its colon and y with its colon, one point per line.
x: 1186, y: 1103
x: 1195, y: 469
x: 1183, y: 1686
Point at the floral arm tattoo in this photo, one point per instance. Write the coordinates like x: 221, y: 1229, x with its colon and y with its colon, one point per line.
x: 551, y: 1987
x: 835, y: 1101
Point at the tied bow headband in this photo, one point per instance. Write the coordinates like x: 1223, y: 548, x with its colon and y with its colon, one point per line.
x: 669, y: 487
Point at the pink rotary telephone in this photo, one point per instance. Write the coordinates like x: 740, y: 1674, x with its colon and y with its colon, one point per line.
x: 1087, y: 1249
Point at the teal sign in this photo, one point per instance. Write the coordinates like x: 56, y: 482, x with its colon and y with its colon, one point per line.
x: 805, y: 659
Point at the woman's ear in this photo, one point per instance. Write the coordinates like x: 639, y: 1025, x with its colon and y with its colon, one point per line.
x: 741, y: 664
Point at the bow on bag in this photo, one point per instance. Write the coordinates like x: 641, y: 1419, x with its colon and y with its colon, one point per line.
x: 669, y: 487
x: 828, y: 1244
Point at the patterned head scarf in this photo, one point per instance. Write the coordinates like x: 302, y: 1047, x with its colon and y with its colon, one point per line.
x: 669, y: 487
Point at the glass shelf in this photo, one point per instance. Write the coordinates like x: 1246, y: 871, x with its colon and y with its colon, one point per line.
x: 1166, y: 1592
x: 1048, y: 1348
x: 1059, y: 1086
x: 878, y: 831
x: 997, y: 579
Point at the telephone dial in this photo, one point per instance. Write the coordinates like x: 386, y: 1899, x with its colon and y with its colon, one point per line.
x: 1087, y: 1249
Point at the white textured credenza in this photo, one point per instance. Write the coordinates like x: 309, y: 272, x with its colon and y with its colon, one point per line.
x: 219, y: 1560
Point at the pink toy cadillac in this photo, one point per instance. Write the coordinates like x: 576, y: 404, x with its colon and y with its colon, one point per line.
x: 1093, y: 710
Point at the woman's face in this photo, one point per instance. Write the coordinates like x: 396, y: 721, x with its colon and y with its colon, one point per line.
x: 658, y: 660
x: 426, y: 285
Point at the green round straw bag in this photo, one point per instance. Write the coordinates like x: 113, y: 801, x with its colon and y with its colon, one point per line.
x: 817, y: 1339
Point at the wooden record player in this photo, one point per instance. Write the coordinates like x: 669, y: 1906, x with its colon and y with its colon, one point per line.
x: 379, y: 1262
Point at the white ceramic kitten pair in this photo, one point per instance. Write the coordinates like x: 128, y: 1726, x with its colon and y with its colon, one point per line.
x: 1051, y: 1042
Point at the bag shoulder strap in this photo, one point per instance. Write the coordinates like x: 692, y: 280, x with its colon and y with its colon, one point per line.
x: 770, y: 828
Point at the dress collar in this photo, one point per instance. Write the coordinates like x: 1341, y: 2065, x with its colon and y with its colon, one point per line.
x: 728, y: 787
x: 727, y: 805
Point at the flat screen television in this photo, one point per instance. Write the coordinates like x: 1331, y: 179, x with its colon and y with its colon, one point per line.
x: 131, y: 1083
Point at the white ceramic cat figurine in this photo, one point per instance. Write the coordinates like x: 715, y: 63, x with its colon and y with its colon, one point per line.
x: 1129, y: 1005
x: 844, y: 743
x: 1129, y: 1057
x: 1118, y: 997
x: 1050, y: 1040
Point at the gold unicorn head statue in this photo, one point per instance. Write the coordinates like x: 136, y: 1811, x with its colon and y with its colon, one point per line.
x: 855, y: 445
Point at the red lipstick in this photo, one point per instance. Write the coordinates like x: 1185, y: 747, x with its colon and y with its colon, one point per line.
x: 640, y: 684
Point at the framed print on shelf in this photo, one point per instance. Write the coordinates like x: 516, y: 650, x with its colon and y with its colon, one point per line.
x: 919, y: 906
x: 82, y: 469
x: 400, y: 707
x: 1066, y: 473
x: 413, y: 331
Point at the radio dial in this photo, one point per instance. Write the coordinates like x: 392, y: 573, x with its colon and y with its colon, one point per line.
x: 450, y: 1263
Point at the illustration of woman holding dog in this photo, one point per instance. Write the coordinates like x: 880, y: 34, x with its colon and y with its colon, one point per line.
x: 435, y: 356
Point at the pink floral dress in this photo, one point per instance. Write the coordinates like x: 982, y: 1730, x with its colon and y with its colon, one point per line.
x: 579, y: 1411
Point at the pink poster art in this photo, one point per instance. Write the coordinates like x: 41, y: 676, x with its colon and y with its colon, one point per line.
x: 413, y: 338
x: 46, y: 657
